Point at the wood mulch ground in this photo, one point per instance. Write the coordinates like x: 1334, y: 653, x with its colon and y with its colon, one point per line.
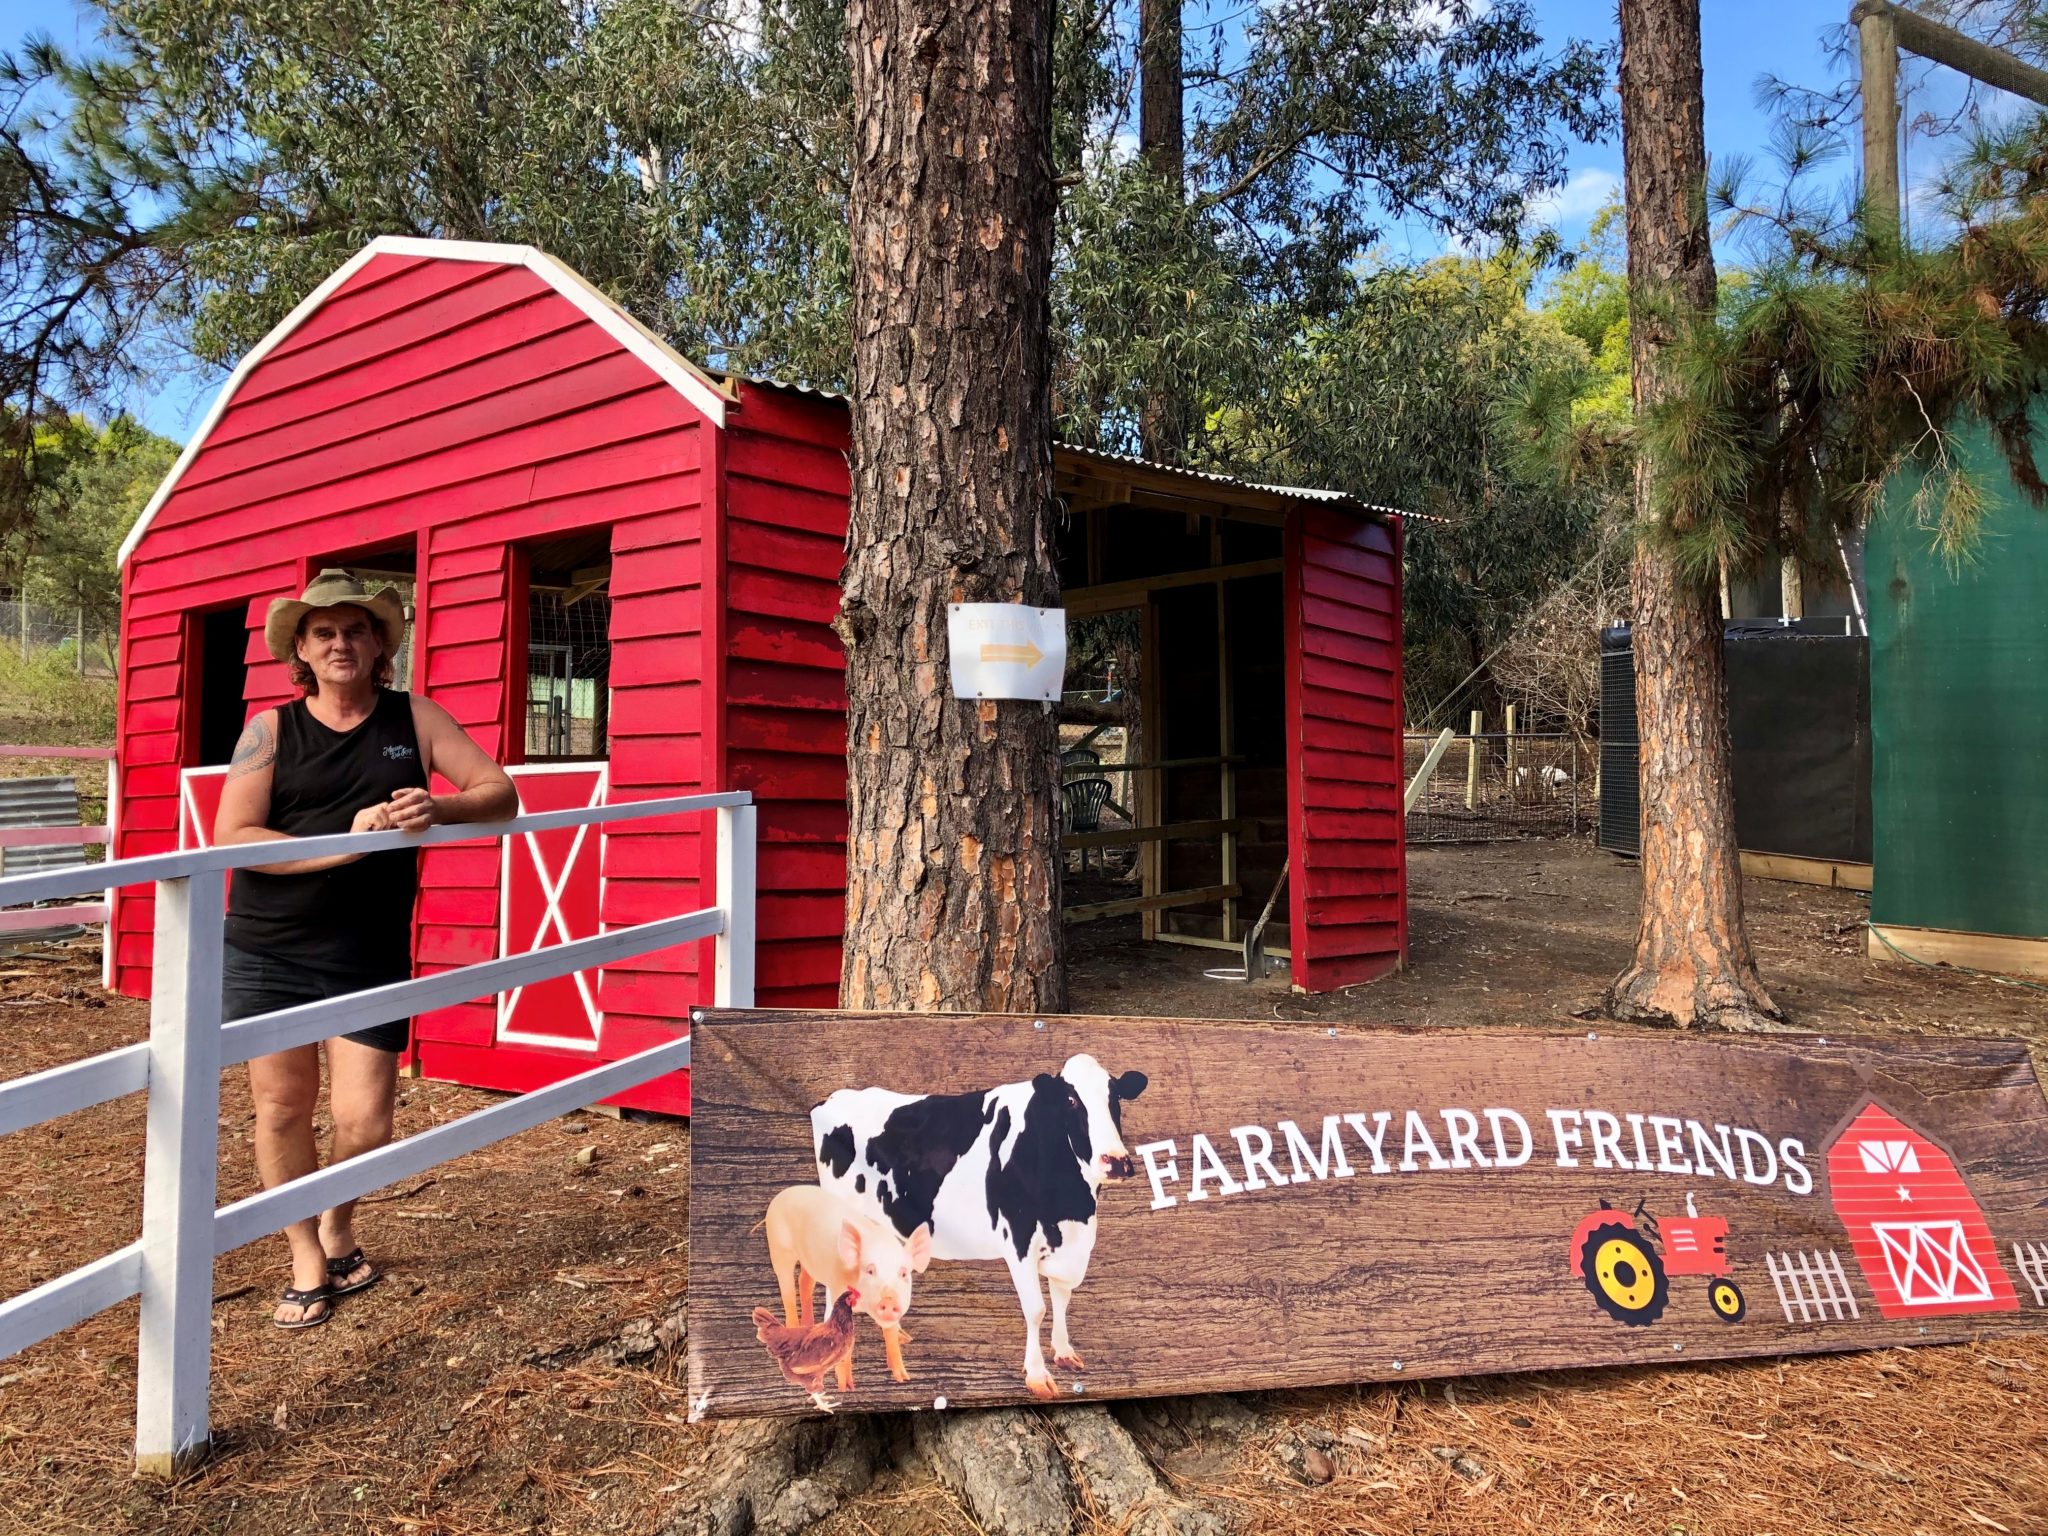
x: 496, y: 1382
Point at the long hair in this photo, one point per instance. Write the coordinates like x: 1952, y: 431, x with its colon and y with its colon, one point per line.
x: 382, y: 675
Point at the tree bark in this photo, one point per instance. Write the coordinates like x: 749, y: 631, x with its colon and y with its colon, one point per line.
x: 1693, y: 965
x: 1163, y: 422
x: 1162, y: 138
x: 952, y: 894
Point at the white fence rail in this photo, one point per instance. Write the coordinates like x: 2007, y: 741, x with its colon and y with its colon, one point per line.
x: 171, y: 1265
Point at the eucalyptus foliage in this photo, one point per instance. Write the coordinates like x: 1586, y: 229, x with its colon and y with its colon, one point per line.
x: 89, y: 483
x: 213, y: 160
x: 1399, y: 400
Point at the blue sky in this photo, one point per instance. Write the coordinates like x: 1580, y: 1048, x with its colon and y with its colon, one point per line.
x: 1743, y: 40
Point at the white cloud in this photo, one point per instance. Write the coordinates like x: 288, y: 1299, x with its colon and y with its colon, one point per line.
x: 1583, y: 194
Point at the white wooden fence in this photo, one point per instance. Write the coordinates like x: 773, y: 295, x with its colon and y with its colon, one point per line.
x: 171, y: 1265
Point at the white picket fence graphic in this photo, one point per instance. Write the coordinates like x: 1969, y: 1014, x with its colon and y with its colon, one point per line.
x: 1812, y: 1287
x: 2032, y: 1261
x: 171, y: 1265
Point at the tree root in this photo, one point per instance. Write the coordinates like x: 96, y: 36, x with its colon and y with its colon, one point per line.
x: 776, y: 1477
x: 1006, y: 1467
x: 1019, y: 1471
x: 1723, y: 1002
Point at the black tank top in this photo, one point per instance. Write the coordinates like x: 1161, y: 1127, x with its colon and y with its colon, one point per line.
x: 356, y: 917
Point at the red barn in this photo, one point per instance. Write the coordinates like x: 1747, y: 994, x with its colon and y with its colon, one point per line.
x: 622, y: 572
x: 1917, y: 1230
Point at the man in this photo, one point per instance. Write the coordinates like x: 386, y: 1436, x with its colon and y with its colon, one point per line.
x: 352, y: 755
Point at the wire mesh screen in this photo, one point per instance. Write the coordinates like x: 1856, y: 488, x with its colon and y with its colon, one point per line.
x: 401, y: 664
x: 568, y: 675
x: 1494, y: 787
x: 82, y: 640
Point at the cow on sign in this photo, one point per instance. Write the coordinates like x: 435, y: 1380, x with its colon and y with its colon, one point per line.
x: 1008, y: 1173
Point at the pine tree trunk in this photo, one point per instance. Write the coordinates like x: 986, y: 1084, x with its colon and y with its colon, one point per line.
x: 1693, y: 965
x: 1163, y: 422
x: 952, y: 895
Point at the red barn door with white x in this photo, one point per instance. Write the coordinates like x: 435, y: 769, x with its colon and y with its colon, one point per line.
x: 549, y: 893
x: 1917, y: 1231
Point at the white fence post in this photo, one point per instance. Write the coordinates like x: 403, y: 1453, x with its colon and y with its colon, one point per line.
x: 175, y: 1344
x: 733, y: 982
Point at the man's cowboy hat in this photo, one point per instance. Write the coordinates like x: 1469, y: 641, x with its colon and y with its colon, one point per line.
x: 331, y: 589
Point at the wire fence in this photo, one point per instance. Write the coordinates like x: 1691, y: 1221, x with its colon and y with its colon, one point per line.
x: 85, y: 643
x: 1497, y: 786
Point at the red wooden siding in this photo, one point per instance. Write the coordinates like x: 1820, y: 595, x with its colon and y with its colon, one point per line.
x: 658, y: 715
x: 461, y: 409
x: 458, y: 408
x: 785, y: 682
x: 1347, y: 893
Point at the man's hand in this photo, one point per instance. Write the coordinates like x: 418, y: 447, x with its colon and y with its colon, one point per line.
x: 371, y: 818
x: 411, y: 810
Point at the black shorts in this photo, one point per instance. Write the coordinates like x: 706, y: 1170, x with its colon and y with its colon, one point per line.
x: 253, y: 984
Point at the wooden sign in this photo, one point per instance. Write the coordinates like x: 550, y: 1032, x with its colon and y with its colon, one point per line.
x: 892, y: 1212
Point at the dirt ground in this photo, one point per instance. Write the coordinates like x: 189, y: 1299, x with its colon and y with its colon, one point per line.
x: 515, y: 1372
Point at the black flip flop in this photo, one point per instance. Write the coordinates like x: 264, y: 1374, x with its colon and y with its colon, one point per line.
x: 319, y: 1296
x: 341, y: 1268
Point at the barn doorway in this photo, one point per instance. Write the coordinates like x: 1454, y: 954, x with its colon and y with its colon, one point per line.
x: 221, y: 639
x: 1174, y: 740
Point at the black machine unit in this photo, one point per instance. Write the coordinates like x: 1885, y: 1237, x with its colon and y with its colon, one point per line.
x: 1799, y: 723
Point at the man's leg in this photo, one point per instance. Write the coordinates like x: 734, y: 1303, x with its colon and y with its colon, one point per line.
x: 362, y: 1089
x: 284, y: 1086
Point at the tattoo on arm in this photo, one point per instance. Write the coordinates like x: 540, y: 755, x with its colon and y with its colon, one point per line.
x: 256, y: 750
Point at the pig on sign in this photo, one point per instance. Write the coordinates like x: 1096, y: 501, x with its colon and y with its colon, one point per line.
x: 815, y: 1238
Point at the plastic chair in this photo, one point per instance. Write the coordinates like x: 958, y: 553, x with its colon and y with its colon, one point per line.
x: 1082, y: 800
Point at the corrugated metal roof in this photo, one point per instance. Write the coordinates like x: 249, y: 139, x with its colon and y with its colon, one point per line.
x: 44, y: 802
x: 1075, y: 450
x: 1232, y: 482
x: 49, y: 802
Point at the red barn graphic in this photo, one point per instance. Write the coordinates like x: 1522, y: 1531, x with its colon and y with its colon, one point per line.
x: 1917, y: 1231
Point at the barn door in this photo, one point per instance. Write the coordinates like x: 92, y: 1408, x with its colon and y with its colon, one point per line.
x: 198, y: 803
x: 548, y: 894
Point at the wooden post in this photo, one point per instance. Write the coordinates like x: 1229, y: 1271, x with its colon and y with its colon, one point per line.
x: 1152, y: 784
x: 1226, y: 774
x: 1472, y: 761
x: 181, y: 1142
x: 733, y: 950
x: 1878, y: 40
x: 1959, y: 51
x: 1511, y: 749
x: 1419, y: 785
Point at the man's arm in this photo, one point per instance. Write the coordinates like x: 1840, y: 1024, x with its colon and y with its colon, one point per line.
x: 245, y: 802
x: 483, y: 792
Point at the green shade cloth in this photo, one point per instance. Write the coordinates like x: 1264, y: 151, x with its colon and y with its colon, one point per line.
x: 1959, y: 711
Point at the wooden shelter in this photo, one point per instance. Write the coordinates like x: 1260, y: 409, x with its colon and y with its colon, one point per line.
x: 622, y: 572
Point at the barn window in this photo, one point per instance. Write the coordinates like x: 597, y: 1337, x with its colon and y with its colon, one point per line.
x: 568, y: 650
x: 396, y: 567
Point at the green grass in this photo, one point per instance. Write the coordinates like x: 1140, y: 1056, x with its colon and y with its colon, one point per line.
x: 44, y: 702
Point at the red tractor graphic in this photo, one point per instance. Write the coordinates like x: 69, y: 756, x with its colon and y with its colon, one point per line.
x: 1615, y: 1253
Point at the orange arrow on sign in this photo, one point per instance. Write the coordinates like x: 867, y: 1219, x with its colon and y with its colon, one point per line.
x: 1027, y: 654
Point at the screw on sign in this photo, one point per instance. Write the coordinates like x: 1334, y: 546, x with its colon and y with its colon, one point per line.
x: 1616, y: 1253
